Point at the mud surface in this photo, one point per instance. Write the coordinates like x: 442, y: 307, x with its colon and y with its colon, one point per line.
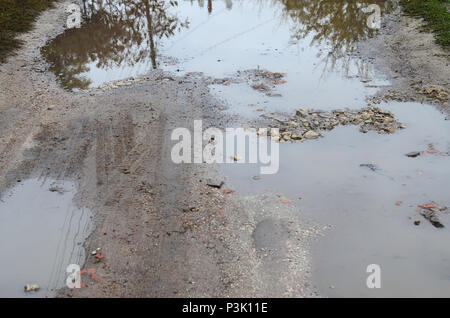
x: 103, y: 123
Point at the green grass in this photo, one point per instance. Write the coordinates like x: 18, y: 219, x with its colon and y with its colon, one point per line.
x: 17, y: 16
x: 435, y: 13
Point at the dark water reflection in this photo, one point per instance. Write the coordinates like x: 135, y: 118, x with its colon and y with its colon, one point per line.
x: 126, y: 36
x: 114, y: 33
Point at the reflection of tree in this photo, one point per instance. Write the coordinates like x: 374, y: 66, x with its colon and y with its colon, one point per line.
x: 120, y: 32
x: 126, y: 32
x: 339, y: 25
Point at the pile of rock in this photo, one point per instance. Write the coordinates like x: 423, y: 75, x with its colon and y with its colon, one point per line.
x: 435, y: 91
x: 307, y: 123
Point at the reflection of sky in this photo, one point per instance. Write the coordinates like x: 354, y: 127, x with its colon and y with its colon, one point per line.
x: 99, y: 76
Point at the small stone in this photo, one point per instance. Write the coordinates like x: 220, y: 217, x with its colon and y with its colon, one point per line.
x: 302, y: 112
x: 413, y: 154
x: 215, y: 183
x: 31, y: 287
x: 286, y: 135
x: 311, y: 135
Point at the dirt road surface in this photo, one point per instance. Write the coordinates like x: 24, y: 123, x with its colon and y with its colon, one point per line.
x: 162, y: 230
x: 116, y: 146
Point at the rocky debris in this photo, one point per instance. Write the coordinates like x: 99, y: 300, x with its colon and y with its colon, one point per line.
x: 307, y: 123
x: 430, y: 92
x: 264, y: 80
x: 390, y: 95
x: 430, y: 212
x: 434, y: 91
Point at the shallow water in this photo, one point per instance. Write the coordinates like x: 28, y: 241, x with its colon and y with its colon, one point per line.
x: 220, y: 38
x: 324, y: 179
x: 41, y: 233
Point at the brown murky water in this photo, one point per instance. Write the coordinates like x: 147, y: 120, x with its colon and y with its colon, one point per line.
x: 313, y: 44
x: 41, y: 233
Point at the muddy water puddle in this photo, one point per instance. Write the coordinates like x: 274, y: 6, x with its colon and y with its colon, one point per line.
x: 41, y: 233
x: 127, y: 38
x: 371, y: 211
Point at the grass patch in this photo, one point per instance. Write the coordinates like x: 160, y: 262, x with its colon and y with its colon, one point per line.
x: 435, y: 13
x: 17, y: 16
